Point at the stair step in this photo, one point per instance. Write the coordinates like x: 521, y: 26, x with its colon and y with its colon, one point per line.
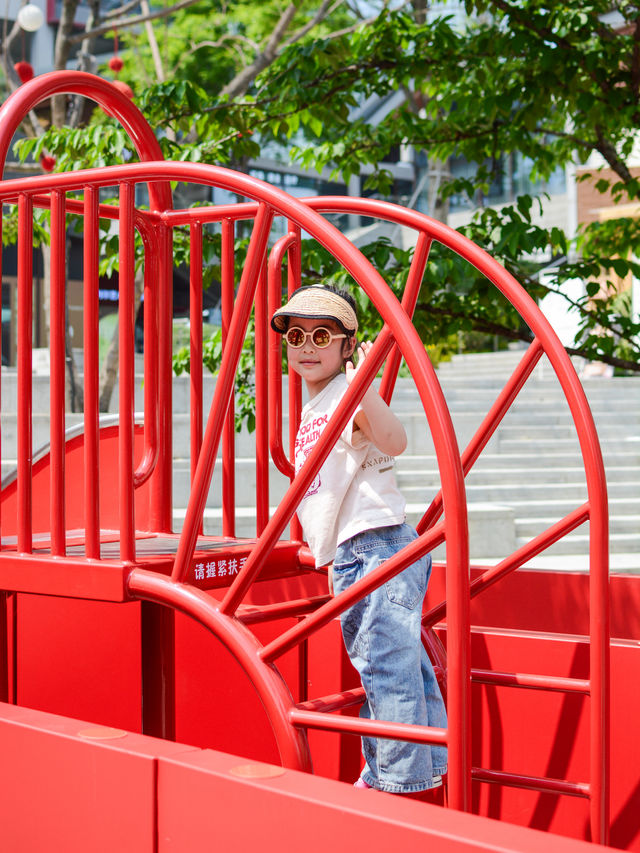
x: 618, y: 524
x: 427, y: 477
x: 576, y: 543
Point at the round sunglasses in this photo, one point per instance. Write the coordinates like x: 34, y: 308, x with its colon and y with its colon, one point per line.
x: 320, y: 337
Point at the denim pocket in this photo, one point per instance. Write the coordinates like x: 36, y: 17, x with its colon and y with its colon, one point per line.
x: 345, y: 574
x: 409, y: 587
x: 344, y: 568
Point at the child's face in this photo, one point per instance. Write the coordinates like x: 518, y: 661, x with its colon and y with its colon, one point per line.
x: 318, y: 365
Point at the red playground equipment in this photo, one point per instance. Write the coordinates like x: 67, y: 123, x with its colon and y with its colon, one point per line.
x: 209, y: 671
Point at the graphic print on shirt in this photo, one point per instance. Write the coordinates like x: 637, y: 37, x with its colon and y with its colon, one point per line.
x: 378, y: 462
x: 306, y: 439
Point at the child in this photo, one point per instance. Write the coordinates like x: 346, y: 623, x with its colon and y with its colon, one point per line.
x: 353, y: 519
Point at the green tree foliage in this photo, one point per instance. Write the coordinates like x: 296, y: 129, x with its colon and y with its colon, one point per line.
x: 558, y: 83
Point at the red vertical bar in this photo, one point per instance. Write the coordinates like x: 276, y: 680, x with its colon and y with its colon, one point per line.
x: 1, y: 354
x: 274, y: 301
x: 295, y: 383
x: 148, y: 464
x: 599, y: 650
x: 8, y: 647
x: 126, y: 322
x: 25, y: 326
x: 229, y: 431
x: 458, y: 643
x: 57, y: 375
x: 195, y: 342
x: 408, y: 302
x: 262, y: 425
x: 91, y: 375
x: 5, y: 668
x: 161, y: 498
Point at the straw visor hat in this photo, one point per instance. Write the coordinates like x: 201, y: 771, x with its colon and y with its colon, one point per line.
x: 318, y: 303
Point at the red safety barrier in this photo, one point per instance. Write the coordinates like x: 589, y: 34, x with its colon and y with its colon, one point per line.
x: 51, y: 538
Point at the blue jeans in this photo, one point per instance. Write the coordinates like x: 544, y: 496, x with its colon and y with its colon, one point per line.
x: 382, y: 635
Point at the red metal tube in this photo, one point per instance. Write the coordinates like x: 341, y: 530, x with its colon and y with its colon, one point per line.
x: 229, y: 429
x: 294, y: 280
x: 91, y: 374
x: 551, y: 683
x: 1, y: 243
x: 408, y: 302
x: 335, y: 702
x: 367, y: 728
x: 274, y: 286
x: 29, y: 95
x: 223, y: 392
x: 600, y: 667
x: 161, y: 498
x: 262, y: 402
x: 195, y: 344
x: 147, y: 464
x: 126, y: 330
x: 532, y: 783
x: 251, y: 615
x: 57, y: 372
x: 25, y: 325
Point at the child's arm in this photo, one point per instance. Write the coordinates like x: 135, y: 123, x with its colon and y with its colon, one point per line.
x: 375, y: 418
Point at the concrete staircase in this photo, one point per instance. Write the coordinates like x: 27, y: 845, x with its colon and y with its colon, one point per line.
x: 531, y: 473
x: 529, y: 476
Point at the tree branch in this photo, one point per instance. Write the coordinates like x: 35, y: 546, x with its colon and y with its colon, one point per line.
x: 242, y: 81
x: 62, y: 52
x: 121, y: 10
x: 489, y: 328
x: 125, y: 23
x: 153, y: 44
x: 610, y: 154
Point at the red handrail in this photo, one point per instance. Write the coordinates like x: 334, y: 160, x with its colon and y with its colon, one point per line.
x: 158, y: 432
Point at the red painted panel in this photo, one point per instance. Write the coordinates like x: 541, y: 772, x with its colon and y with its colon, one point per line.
x: 216, y: 705
x: 206, y: 799
x: 74, y: 493
x: 80, y: 658
x: 60, y: 790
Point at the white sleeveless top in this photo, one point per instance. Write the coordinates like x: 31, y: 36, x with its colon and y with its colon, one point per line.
x: 355, y: 489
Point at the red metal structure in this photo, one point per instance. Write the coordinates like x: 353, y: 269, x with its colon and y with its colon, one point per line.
x: 87, y: 541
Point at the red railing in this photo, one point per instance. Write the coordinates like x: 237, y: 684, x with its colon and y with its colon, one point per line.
x: 259, y: 291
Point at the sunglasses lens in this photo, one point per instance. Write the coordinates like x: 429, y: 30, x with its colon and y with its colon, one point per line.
x: 295, y: 337
x: 321, y: 337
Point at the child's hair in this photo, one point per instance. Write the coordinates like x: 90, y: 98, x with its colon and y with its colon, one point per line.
x: 343, y: 294
x: 319, y: 302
